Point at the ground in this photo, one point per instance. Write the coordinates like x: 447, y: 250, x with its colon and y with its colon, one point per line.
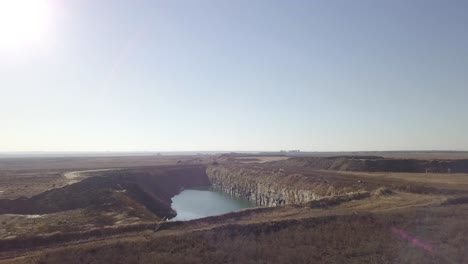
x: 397, y: 218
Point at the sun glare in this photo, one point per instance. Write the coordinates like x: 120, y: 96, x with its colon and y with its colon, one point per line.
x: 23, y: 23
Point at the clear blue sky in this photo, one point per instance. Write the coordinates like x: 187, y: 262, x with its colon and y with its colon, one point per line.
x: 123, y: 75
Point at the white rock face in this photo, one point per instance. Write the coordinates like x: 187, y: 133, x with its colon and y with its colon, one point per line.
x: 270, y: 188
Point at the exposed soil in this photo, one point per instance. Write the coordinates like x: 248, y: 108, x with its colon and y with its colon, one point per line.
x: 379, y: 164
x: 370, y: 210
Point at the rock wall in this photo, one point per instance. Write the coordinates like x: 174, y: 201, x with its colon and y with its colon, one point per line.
x: 271, y: 188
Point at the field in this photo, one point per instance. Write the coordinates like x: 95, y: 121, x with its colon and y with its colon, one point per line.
x: 30, y: 176
x: 106, y: 210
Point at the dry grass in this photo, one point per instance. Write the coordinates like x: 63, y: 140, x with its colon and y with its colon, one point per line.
x: 415, y: 222
x: 424, y: 235
x: 31, y: 176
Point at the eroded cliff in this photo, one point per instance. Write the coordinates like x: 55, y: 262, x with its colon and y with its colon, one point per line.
x: 271, y: 187
x: 151, y: 187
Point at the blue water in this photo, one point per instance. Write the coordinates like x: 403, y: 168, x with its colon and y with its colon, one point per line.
x: 202, y: 202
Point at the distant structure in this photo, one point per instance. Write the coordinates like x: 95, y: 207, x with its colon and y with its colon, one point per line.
x: 290, y: 151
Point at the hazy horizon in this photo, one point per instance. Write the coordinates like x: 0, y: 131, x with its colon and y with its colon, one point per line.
x: 157, y: 76
x: 191, y: 152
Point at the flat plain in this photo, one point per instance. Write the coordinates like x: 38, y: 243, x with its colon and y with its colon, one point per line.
x: 109, y: 210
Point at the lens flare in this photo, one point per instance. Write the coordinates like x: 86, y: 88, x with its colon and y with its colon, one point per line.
x: 415, y: 241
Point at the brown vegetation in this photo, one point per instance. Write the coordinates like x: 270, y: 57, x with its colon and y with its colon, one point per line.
x: 354, y: 217
x: 378, y: 164
x: 426, y: 235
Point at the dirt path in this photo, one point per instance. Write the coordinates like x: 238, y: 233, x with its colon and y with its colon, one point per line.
x: 73, y: 176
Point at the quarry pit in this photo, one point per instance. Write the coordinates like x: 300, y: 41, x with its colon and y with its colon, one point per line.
x: 107, y: 202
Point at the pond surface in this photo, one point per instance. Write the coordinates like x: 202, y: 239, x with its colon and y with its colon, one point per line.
x: 202, y: 202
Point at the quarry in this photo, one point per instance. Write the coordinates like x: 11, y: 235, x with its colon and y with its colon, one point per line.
x: 77, y: 206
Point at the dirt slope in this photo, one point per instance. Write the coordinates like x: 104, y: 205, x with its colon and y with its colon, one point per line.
x: 378, y: 164
x: 152, y: 187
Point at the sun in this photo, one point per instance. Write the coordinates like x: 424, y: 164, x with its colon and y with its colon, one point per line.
x: 23, y: 23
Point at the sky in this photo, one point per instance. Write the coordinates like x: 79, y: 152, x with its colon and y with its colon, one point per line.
x: 154, y: 75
